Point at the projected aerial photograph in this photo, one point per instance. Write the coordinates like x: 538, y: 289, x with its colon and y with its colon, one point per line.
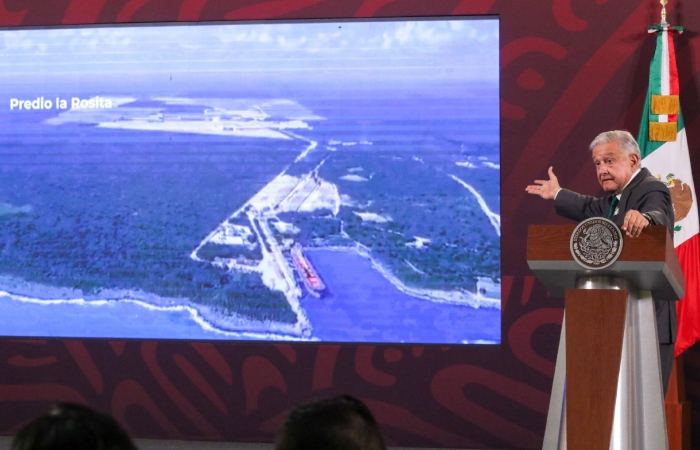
x: 316, y: 181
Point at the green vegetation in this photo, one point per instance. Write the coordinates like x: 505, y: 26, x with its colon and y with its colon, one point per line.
x: 130, y: 223
x: 420, y: 200
x: 210, y: 251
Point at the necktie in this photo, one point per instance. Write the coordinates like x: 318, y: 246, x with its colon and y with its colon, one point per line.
x: 613, y: 205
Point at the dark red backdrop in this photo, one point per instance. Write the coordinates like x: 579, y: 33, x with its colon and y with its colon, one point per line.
x: 569, y: 70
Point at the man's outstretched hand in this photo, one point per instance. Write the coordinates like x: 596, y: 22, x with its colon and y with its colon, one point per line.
x: 546, y: 189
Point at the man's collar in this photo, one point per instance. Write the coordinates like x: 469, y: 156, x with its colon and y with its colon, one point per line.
x: 639, y: 169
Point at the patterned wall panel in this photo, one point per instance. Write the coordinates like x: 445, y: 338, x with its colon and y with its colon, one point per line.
x: 568, y: 71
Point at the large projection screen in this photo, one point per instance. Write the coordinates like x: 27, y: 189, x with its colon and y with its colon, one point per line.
x: 306, y: 181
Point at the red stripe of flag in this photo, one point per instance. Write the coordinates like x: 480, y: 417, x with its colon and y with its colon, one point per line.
x: 689, y: 308
x: 672, y: 71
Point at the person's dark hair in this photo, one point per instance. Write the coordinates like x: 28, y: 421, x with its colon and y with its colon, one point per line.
x: 74, y: 427
x: 339, y: 423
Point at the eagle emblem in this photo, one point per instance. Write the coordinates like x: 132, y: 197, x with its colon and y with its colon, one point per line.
x: 682, y: 197
x: 596, y: 243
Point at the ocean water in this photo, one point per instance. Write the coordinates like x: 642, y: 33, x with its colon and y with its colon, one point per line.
x: 362, y: 306
x: 99, y: 320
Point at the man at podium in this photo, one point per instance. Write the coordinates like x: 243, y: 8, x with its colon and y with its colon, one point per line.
x: 635, y: 199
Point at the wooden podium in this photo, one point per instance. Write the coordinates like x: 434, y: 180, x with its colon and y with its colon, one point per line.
x: 607, y: 391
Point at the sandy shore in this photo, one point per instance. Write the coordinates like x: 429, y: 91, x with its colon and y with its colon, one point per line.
x: 233, y: 325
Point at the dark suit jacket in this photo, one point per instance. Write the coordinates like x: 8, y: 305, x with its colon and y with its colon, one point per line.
x: 646, y: 194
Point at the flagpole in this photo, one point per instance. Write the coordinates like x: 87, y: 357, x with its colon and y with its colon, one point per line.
x: 663, y: 13
x: 676, y: 405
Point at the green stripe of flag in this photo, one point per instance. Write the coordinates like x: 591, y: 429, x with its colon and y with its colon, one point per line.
x: 645, y: 145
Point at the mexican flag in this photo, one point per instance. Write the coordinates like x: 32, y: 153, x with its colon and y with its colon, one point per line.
x: 664, y: 147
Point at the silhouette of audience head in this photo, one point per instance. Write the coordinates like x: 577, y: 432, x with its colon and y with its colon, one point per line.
x: 75, y: 427
x: 339, y: 423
